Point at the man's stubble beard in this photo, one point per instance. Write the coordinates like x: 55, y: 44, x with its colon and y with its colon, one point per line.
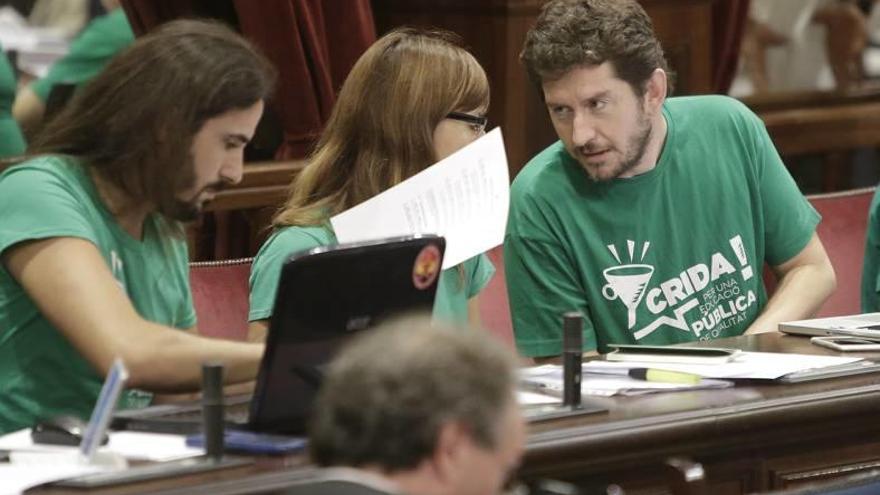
x: 638, y: 143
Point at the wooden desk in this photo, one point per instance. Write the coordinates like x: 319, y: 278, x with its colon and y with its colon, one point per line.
x: 749, y: 438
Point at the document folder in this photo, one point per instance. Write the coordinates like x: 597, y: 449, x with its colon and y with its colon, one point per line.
x: 767, y: 367
x: 848, y: 369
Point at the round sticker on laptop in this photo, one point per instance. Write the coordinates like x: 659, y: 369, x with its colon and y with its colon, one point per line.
x: 426, y: 267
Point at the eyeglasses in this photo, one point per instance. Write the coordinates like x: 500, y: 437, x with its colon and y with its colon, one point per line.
x: 478, y: 123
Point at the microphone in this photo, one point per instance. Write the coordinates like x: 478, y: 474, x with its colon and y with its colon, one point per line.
x: 572, y: 350
x: 212, y: 410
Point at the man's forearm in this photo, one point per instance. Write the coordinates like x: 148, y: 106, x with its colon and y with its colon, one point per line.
x: 28, y: 110
x: 170, y: 361
x: 799, y: 295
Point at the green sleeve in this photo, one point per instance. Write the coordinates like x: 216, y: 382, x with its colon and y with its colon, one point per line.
x: 789, y: 219
x: 103, y: 38
x: 871, y: 266
x: 38, y: 204
x: 11, y: 139
x: 541, y: 285
x: 266, y: 268
x: 186, y: 311
x: 479, y: 270
x: 7, y: 84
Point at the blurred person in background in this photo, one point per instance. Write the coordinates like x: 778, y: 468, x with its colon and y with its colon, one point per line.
x: 419, y: 409
x: 89, y: 53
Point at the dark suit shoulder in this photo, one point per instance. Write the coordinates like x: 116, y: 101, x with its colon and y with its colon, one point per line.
x: 333, y: 487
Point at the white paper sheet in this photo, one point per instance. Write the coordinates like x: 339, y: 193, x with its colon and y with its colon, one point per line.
x: 133, y: 445
x: 548, y: 379
x: 463, y: 197
x: 16, y: 478
x: 37, y: 464
x: 748, y: 365
x: 155, y: 447
x: 529, y: 398
x: 37, y: 47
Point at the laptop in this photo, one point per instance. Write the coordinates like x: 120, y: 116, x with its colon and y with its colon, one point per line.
x: 325, y: 295
x: 863, y: 325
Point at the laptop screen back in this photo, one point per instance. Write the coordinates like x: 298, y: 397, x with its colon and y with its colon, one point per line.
x: 324, y: 296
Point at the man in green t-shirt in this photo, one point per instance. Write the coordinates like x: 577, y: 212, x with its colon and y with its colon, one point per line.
x: 94, y: 261
x: 651, y: 216
x: 871, y: 267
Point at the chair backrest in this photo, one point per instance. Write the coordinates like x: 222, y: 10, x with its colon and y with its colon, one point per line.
x: 494, y: 305
x: 220, y: 296
x: 842, y: 231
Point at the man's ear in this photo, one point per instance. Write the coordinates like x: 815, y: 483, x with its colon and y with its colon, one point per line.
x: 450, y: 450
x: 655, y: 91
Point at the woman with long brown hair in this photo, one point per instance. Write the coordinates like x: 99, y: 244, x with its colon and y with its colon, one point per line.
x: 413, y: 98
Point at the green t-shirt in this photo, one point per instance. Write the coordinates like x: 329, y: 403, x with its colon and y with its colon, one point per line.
x: 672, y: 255
x: 41, y: 374
x: 11, y: 140
x: 453, y: 290
x: 90, y: 52
x: 871, y: 267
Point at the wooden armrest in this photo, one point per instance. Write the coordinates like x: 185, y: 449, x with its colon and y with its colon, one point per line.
x: 817, y: 122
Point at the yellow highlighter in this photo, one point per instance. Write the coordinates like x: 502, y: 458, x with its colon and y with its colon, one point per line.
x: 666, y: 376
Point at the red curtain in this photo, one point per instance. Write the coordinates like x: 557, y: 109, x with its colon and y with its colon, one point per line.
x: 144, y: 15
x: 729, y: 21
x: 313, y: 44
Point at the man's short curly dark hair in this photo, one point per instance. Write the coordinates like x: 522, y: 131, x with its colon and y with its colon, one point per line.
x: 387, y: 396
x: 575, y: 33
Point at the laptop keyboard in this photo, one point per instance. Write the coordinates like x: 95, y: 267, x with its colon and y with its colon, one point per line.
x: 184, y: 418
x: 234, y: 414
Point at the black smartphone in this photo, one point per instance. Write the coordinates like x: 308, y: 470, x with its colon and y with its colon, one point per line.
x: 669, y: 354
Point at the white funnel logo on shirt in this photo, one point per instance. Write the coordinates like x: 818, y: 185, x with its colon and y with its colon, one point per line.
x: 627, y: 282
